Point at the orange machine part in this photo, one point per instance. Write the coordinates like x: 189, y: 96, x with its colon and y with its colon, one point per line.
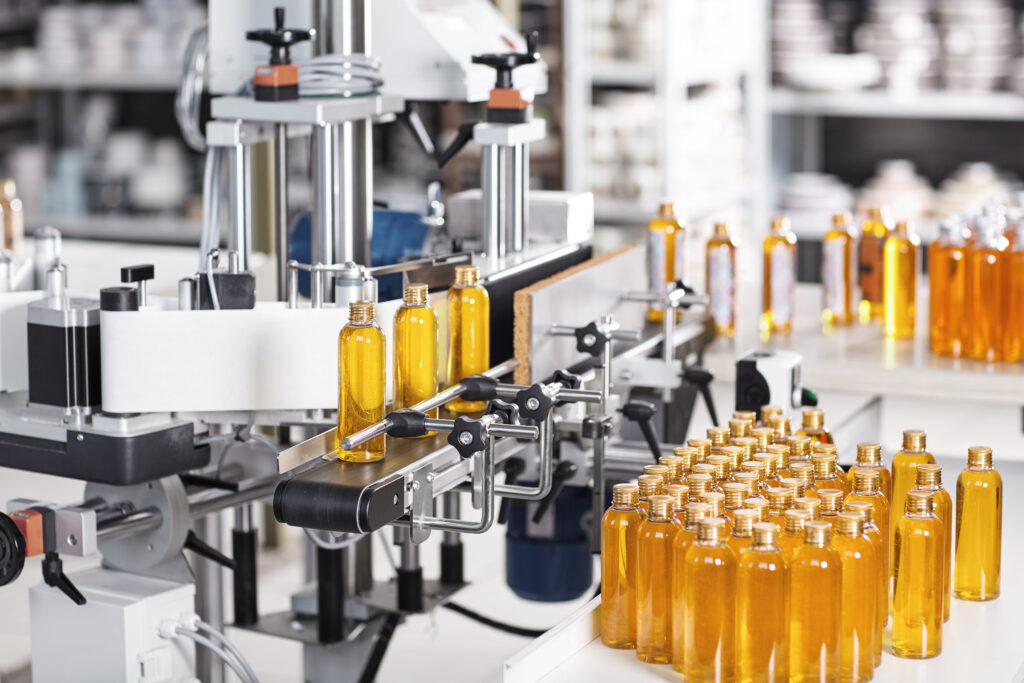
x: 509, y: 98
x: 30, y: 524
x: 276, y: 75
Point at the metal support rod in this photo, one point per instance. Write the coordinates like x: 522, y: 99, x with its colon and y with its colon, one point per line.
x: 598, y: 504
x: 354, y: 230
x: 615, y: 335
x: 143, y: 520
x: 606, y: 375
x: 486, y: 508
x: 325, y: 192
x: 240, y: 192
x: 509, y: 391
x: 668, y: 345
x: 209, y: 599
x: 450, y: 509
x: 208, y: 501
x: 491, y: 161
x: 515, y: 189
x: 545, y: 468
x: 281, y: 208
x: 496, y: 429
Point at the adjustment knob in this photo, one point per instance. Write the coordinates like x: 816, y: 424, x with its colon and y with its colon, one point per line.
x: 12, y: 550
x: 467, y: 436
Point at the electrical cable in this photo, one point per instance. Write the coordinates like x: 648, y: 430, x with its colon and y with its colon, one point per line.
x: 211, y: 257
x: 339, y: 75
x: 217, y: 650
x: 487, y: 621
x: 229, y: 646
x: 190, y: 89
x: 336, y: 545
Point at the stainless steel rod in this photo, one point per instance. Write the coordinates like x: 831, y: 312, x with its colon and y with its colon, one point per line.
x: 545, y: 468
x: 143, y: 520
x: 486, y: 508
x: 281, y: 208
x: 509, y: 391
x: 203, y: 503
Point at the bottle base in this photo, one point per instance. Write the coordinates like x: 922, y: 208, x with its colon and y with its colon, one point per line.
x: 654, y: 657
x: 974, y: 596
x: 360, y: 456
x: 619, y: 644
x: 914, y: 654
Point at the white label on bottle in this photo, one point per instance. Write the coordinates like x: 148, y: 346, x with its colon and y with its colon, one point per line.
x: 656, y: 261
x: 782, y: 283
x: 721, y: 285
x: 680, y: 255
x: 833, y: 277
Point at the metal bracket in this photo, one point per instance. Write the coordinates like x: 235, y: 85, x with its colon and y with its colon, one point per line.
x: 422, y: 491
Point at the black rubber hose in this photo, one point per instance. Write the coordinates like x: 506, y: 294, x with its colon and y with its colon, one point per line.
x: 487, y: 621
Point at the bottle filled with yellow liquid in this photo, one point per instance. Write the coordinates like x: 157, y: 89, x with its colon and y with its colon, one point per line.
x: 415, y: 349
x: 675, y: 467
x: 947, y: 285
x: 721, y: 280
x: 619, y: 530
x: 743, y: 521
x: 469, y: 333
x: 655, y: 543
x: 685, y: 538
x: 838, y: 271
x: 792, y: 535
x: 865, y: 489
x: 813, y: 425
x: 666, y: 254
x: 780, y: 499
x: 769, y: 411
x: 709, y: 621
x: 781, y: 428
x: 917, y: 586
x: 904, y: 475
x: 869, y: 456
x: 986, y: 307
x: 811, y: 505
x: 779, y: 286
x: 859, y: 618
x: 760, y: 505
x: 739, y: 427
x: 831, y: 505
x: 662, y: 471
x: 688, y: 455
x: 362, y: 368
x: 12, y: 216
x: 815, y: 599
x: 702, y: 446
x: 716, y: 504
x: 827, y: 472
x: 1014, y: 286
x: 762, y: 609
x: 769, y: 461
x: 881, y: 545
x: 979, y: 528
x: 900, y: 286
x: 649, y: 485
x: 929, y: 478
x: 723, y: 469
x: 763, y: 438
x: 680, y: 494
x: 803, y: 472
x: 718, y: 436
x: 781, y: 454
x: 699, y: 484
x: 870, y: 264
x: 708, y: 469
x: 734, y: 492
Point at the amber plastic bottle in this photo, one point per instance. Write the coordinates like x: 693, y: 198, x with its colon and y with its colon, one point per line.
x: 929, y: 478
x: 12, y: 213
x: 718, y: 436
x: 986, y: 263
x: 722, y: 465
x: 715, y: 500
x: 792, y: 536
x: 827, y: 474
x: 702, y: 446
x: 768, y: 412
x: 947, y: 284
x: 869, y: 455
x: 799, y: 449
x: 917, y: 587
x: 762, y: 609
x: 779, y: 278
x: 904, y: 475
x: 709, y: 640
x: 865, y: 488
x: 362, y: 369
x: 415, y: 349
x: 769, y: 461
x: 735, y: 492
x: 650, y: 485
x: 781, y: 453
x: 680, y: 494
x: 763, y: 438
x: 699, y: 484
x: 758, y: 504
x: 794, y: 485
x: 900, y: 287
x: 708, y: 469
x: 694, y: 512
x: 721, y: 280
x: 880, y: 543
x: 859, y: 618
x: 804, y: 473
x: 837, y: 272
x: 760, y: 470
x: 748, y: 415
x: 738, y: 428
x: 812, y: 505
x: 675, y: 467
x: 831, y: 505
x: 469, y: 333
x: 749, y: 480
x: 686, y: 537
x: 688, y: 455
x: 813, y: 425
x: 655, y: 543
x: 1014, y: 276
x: 779, y: 500
x: 781, y: 428
x: 666, y: 254
x: 979, y: 528
x: 748, y: 444
x: 661, y: 471
x: 815, y: 598
x: 870, y: 264
x: 619, y: 529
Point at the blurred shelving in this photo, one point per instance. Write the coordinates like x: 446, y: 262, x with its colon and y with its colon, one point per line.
x: 158, y: 229
x: 47, y: 79
x: 937, y: 104
x: 624, y: 212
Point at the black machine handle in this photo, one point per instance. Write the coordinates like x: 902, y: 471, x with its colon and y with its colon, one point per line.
x: 462, y: 138
x: 53, y: 575
x: 139, y: 273
x: 279, y: 38
x: 564, y: 471
x: 514, y: 468
x: 642, y: 413
x: 200, y: 547
x: 504, y: 63
x: 702, y: 378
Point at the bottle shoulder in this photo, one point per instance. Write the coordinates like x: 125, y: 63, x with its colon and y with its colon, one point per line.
x: 361, y: 333
x: 979, y: 478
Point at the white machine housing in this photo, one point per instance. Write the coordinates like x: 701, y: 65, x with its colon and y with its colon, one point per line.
x: 769, y: 377
x: 556, y: 217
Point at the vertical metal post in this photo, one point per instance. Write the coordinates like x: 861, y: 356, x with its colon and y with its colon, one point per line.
x: 668, y: 346
x: 209, y: 598
x: 324, y: 194
x: 243, y: 550
x: 330, y: 578
x: 354, y: 230
x: 451, y: 543
x: 515, y: 191
x: 598, y: 504
x: 281, y: 208
x: 240, y: 182
x: 491, y: 166
x: 362, y: 580
x: 410, y: 574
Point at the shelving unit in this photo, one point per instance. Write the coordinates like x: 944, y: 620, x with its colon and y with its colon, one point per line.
x: 39, y: 78
x: 938, y: 104
x: 123, y: 228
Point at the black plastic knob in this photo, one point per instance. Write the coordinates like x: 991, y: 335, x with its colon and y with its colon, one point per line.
x: 280, y: 39
x: 589, y: 339
x: 534, y: 402
x: 467, y: 437
x: 505, y: 62
x: 12, y: 550
x: 139, y: 273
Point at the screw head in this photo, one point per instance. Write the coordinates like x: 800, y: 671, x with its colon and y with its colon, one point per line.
x: 532, y: 403
x: 589, y: 339
x: 72, y: 540
x: 465, y: 438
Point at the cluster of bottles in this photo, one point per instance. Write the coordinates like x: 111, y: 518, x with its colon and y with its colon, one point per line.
x: 362, y: 365
x: 750, y: 555
x: 12, y: 216
x: 976, y: 276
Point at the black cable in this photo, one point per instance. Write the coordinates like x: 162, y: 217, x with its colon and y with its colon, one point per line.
x: 387, y: 630
x: 487, y: 621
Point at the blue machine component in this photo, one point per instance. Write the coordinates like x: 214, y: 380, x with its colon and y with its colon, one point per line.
x: 549, y: 560
x: 397, y: 236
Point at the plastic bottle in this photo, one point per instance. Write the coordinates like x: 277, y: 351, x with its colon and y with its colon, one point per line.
x: 1014, y: 287
x: 869, y: 456
x: 619, y: 529
x: 831, y: 505
x: 880, y: 543
x: 904, y: 475
x: 900, y: 286
x: 13, y: 214
x: 929, y: 478
x: 979, y: 528
x: 837, y: 272
x: 686, y: 537
x: 870, y: 268
x: 709, y: 572
x: 469, y: 328
x: 779, y: 278
x: 917, y: 584
x: 866, y: 489
x: 762, y: 609
x: 815, y: 597
x: 655, y: 542
x: 987, y: 262
x: 743, y: 529
x: 947, y: 285
x: 792, y: 536
x: 650, y: 485
x: 415, y: 349
x: 721, y: 280
x: 858, y: 619
x: 361, y: 382
x: 666, y: 254
x: 827, y: 472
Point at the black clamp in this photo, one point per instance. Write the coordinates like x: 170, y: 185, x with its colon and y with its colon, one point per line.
x: 508, y: 412
x: 594, y: 427
x: 642, y: 413
x: 687, y: 289
x: 139, y: 273
x: 407, y: 424
x: 590, y: 339
x: 468, y: 436
x: 200, y: 547
x: 53, y: 575
x: 479, y: 388
x: 12, y: 550
x: 567, y: 379
x: 534, y: 402
x: 702, y: 378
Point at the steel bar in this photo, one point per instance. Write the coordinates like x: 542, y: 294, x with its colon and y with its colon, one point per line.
x: 509, y: 391
x: 490, y: 172
x: 281, y: 208
x: 545, y: 468
x: 486, y: 508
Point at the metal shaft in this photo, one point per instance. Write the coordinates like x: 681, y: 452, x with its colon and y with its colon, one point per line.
x: 486, y: 461
x: 209, y: 599
x: 514, y: 185
x: 545, y: 468
x: 325, y: 192
x: 240, y: 192
x: 491, y: 163
x: 281, y: 208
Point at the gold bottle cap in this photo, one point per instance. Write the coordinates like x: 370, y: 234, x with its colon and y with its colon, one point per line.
x: 649, y: 485
x: 757, y: 468
x: 721, y: 229
x: 748, y: 444
x: 769, y: 462
x: 768, y: 412
x: 799, y: 448
x: 813, y: 418
x: 793, y: 484
x: 841, y: 221
x: 661, y: 471
x: 666, y: 210
x: 869, y: 453
x: 812, y: 505
x: 919, y: 500
x: 739, y: 428
x: 863, y: 508
x: 711, y: 530
x: 688, y: 456
x: 467, y: 275
x: 735, y: 455
x: 703, y: 447
x: 415, y: 294
x: 680, y: 494
x: 929, y: 475
x: 699, y: 483
x: 850, y: 523
x: 705, y: 468
x: 718, y: 436
x: 779, y: 500
x: 743, y: 521
x: 867, y: 481
x: 748, y: 479
x: 817, y: 533
x: 914, y: 440
x: 781, y: 453
x: 795, y: 520
x: 734, y: 493
x: 763, y: 437
x: 694, y: 513
x: 831, y: 501
x: 360, y: 312
x: 780, y: 224
x: 714, y: 500
x: 766, y: 534
x: 759, y: 504
x: 876, y: 214
x: 659, y: 508
x: 802, y: 472
x: 674, y: 464
x: 748, y: 415
x: 625, y: 495
x: 780, y: 426
x: 903, y: 228
x: 823, y: 448
x: 722, y: 465
x: 979, y: 456
x: 824, y: 464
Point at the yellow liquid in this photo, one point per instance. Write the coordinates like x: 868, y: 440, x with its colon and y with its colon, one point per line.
x: 884, y: 478
x: 654, y: 591
x: 721, y: 283
x: 779, y: 282
x: 833, y: 482
x: 837, y: 277
x: 738, y: 543
x: 900, y: 286
x: 762, y: 616
x: 859, y: 621
x: 817, y: 435
x: 666, y: 244
x: 789, y: 543
x: 709, y: 621
x: 904, y: 476
x: 13, y: 215
x: 917, y: 592
x: 985, y: 305
x: 415, y: 356
x: 814, y: 636
x: 943, y: 509
x: 979, y: 529
x: 880, y: 517
x: 947, y: 283
x: 619, y: 530
x: 881, y: 545
x: 1014, y: 319
x: 870, y: 269
x: 469, y: 349
x: 361, y: 382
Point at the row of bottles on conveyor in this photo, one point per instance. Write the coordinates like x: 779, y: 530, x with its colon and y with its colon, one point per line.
x: 750, y: 555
